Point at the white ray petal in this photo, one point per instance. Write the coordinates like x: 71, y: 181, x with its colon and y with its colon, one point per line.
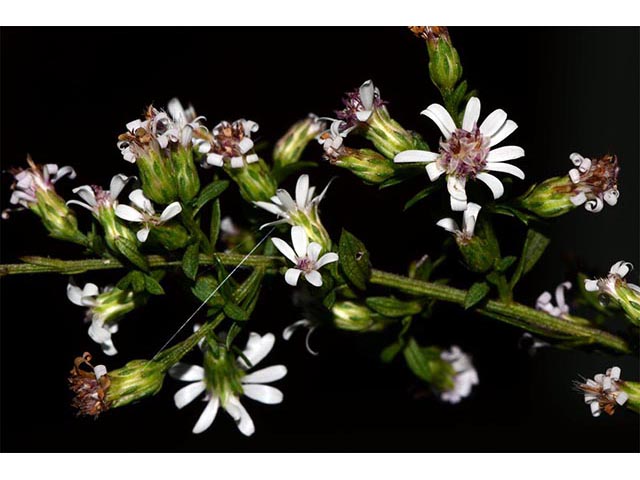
x: 313, y: 251
x: 507, y: 129
x: 492, y: 182
x: 302, y: 189
x: 214, y: 159
x: 502, y: 154
x: 118, y: 182
x: 471, y: 114
x: 143, y: 234
x: 74, y: 294
x: 171, y: 211
x: 128, y: 213
x: 236, y: 162
x: 415, y: 156
x: 434, y: 170
x: 266, y: 375
x: 257, y: 348
x: 86, y: 193
x: 469, y: 218
x: 186, y: 372
x: 505, y: 168
x: 591, y: 285
x: 441, y: 118
x: 314, y: 278
x: 367, y: 92
x: 243, y: 419
x: 138, y: 198
x: 208, y: 415
x: 493, y: 123
x: 269, y: 207
x: 300, y: 240
x: 188, y: 394
x: 449, y: 224
x: 263, y: 393
x: 328, y: 257
x: 292, y: 275
x: 285, y: 249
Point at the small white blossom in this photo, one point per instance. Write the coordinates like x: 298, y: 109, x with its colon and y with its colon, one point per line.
x: 145, y: 214
x: 304, y: 256
x: 360, y: 105
x: 467, y: 152
x: 36, y: 178
x: 609, y: 284
x: 469, y: 219
x: 603, y: 392
x: 332, y: 139
x: 252, y: 385
x: 95, y: 197
x: 560, y: 309
x: 465, y: 377
x: 595, y: 181
x: 230, y: 143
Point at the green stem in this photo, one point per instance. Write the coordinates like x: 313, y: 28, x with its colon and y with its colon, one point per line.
x: 509, y: 312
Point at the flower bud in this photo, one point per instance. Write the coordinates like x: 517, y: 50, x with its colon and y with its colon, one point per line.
x: 444, y: 63
x: 186, y: 173
x: 367, y: 164
x: 550, y: 198
x: 171, y: 237
x: 289, y: 148
x: 358, y: 318
x: 255, y: 181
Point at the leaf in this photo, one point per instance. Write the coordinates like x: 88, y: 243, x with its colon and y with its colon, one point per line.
x: 421, y: 195
x: 419, y: 359
x: 130, y: 250
x: 476, y: 293
x: 392, y: 307
x: 134, y: 280
x: 233, y: 332
x: 329, y: 300
x: 534, y: 246
x: 191, y: 260
x: 354, y: 260
x: 281, y: 173
x: 203, y: 288
x: 208, y: 193
x: 152, y: 286
x: 504, y: 263
x: 214, y: 230
x: 235, y: 312
x: 391, y: 351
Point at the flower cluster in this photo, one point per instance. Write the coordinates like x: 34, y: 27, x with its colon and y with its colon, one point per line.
x: 594, y: 181
x: 465, y: 376
x: 560, y: 309
x: 229, y: 143
x: 603, y: 393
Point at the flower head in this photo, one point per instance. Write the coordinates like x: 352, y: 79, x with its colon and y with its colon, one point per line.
x: 594, y: 181
x: 560, y: 309
x: 465, y: 376
x: 332, y: 140
x: 360, y: 104
x: 603, y: 392
x: 96, y: 198
x: 37, y: 178
x: 467, y: 153
x: 145, y: 214
x: 89, y: 384
x: 469, y: 218
x: 305, y: 256
x: 431, y: 34
x: 230, y: 143
x: 224, y: 379
x: 626, y: 295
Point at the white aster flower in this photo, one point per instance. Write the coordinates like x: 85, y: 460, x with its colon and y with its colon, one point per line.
x: 469, y: 219
x: 465, y: 377
x: 603, y: 392
x: 300, y: 324
x: 145, y: 214
x: 229, y: 143
x: 95, y: 197
x: 360, y: 104
x: 224, y: 387
x: 560, y: 309
x: 304, y: 256
x: 595, y: 181
x: 467, y: 152
x: 332, y: 139
x: 28, y: 182
x: 609, y: 285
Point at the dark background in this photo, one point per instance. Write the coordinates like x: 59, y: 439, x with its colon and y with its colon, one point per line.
x: 67, y: 94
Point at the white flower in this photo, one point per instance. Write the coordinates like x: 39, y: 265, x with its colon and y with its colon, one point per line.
x: 561, y: 309
x: 98, y: 331
x: 304, y: 323
x: 610, y: 283
x: 595, y: 181
x: 36, y: 178
x: 95, y: 197
x: 229, y: 142
x: 222, y: 395
x: 360, y: 105
x: 469, y: 218
x: 603, y: 392
x: 290, y: 211
x: 145, y: 214
x: 305, y: 257
x: 466, y: 153
x: 332, y: 139
x: 465, y: 378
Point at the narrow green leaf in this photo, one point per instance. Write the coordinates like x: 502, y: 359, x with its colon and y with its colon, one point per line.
x: 233, y: 332
x: 419, y: 359
x: 235, y: 312
x: 152, y: 286
x: 391, y: 351
x: 190, y: 260
x: 392, y: 307
x: 204, y: 286
x: 534, y: 246
x: 421, y: 195
x: 504, y: 263
x: 133, y: 280
x: 214, y: 229
x: 130, y: 250
x: 354, y: 260
x: 476, y: 294
x: 208, y: 193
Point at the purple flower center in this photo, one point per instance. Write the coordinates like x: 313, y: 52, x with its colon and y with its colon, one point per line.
x: 306, y: 264
x: 465, y: 153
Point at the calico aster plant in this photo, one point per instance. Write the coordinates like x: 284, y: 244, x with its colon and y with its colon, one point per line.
x: 182, y: 168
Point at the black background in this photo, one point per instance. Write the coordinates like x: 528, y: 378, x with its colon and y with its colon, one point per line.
x: 67, y: 94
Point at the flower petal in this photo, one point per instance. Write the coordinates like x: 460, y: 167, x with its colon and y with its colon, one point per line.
x: 434, y: 170
x: 243, y: 419
x: 215, y: 159
x: 300, y: 240
x: 245, y: 145
x: 302, y: 189
x: 188, y: 394
x: 236, y: 162
x: 313, y: 251
x: 87, y: 194
x: 505, y: 168
x: 449, y: 224
x: 441, y: 118
x: 142, y: 234
x: 367, y: 92
x: 328, y: 257
x: 117, y: 184
x: 138, y: 198
x: 314, y: 278
x: 266, y: 375
x: 208, y: 415
x: 171, y: 211
x: 74, y: 294
x: 507, y: 129
x: 263, y: 393
x: 492, y: 182
x: 502, y: 154
x: 269, y: 207
x: 469, y: 218
x: 415, y: 156
x: 257, y: 348
x: 186, y: 372
x: 128, y: 213
x: 290, y: 329
x: 471, y: 114
x: 621, y: 268
x: 493, y: 123
x: 291, y: 276
x: 285, y: 249
x: 591, y: 285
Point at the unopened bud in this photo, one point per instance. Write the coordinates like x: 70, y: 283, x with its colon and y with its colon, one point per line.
x: 358, y: 318
x: 289, y: 148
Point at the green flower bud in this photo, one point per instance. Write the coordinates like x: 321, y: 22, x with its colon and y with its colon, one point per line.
x: 158, y: 177
x: 186, y: 173
x: 254, y: 179
x: 632, y: 389
x: 444, y: 63
x: 357, y: 318
x: 550, y: 198
x: 367, y: 164
x: 289, y: 148
x: 171, y: 237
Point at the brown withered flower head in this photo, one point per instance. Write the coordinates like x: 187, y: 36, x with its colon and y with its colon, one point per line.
x: 431, y: 34
x: 89, y: 384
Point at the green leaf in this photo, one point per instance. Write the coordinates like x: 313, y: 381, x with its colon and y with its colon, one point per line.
x: 329, y: 300
x: 281, y: 173
x: 204, y: 286
x: 191, y: 260
x: 233, y: 332
x: 504, y: 263
x: 354, y: 260
x: 476, y: 293
x: 130, y: 250
x: 208, y: 193
x: 419, y: 359
x: 235, y: 312
x: 392, y: 307
x: 391, y: 351
x: 421, y: 195
x: 134, y: 280
x: 152, y: 286
x: 214, y: 230
x: 534, y: 246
